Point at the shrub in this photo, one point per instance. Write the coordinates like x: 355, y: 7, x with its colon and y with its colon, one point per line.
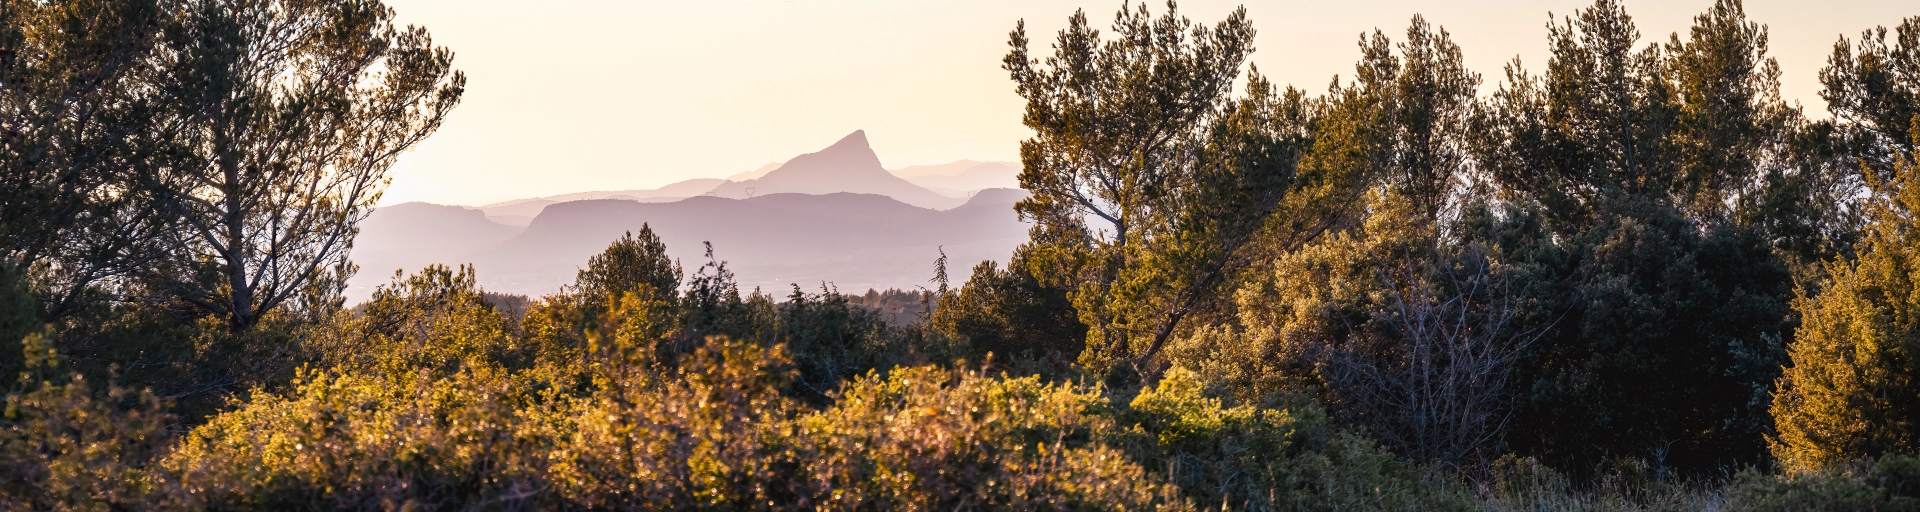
x: 925, y: 438
x: 1851, y: 390
x: 414, y: 402
x: 344, y: 441
x: 1250, y: 458
x: 64, y: 448
x: 707, y: 432
x: 1889, y: 483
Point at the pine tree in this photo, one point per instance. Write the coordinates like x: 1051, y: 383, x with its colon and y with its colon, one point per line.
x: 632, y: 264
x: 1150, y: 180
x: 79, y: 135
x: 1661, y: 307
x: 290, y: 113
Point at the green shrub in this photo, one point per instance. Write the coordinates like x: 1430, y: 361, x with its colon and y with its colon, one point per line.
x: 415, y: 400
x: 925, y: 438
x: 707, y: 431
x: 1251, y: 458
x: 64, y: 448
x: 343, y: 441
x: 1890, y: 483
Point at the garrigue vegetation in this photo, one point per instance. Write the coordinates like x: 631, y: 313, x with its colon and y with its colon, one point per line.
x: 1636, y: 281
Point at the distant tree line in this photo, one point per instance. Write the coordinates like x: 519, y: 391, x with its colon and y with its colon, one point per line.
x: 1637, y: 280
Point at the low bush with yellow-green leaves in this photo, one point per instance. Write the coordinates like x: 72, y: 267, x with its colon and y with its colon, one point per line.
x: 429, y: 398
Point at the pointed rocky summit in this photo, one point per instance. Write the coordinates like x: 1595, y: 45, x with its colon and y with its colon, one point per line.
x: 848, y: 165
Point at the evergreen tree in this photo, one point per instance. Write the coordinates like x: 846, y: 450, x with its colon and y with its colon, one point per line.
x: 637, y: 265
x: 290, y: 114
x: 1661, y: 311
x: 1873, y: 89
x: 79, y: 137
x: 1730, y: 126
x: 1148, y: 178
x: 1008, y: 312
x: 1427, y: 97
x: 1597, y: 124
x: 1852, y: 389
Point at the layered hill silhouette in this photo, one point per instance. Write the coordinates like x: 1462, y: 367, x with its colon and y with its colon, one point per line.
x: 847, y: 166
x: 413, y: 235
x: 965, y: 178
x: 856, y: 241
x: 754, y: 174
x: 519, y: 212
x: 853, y: 241
x: 832, y: 216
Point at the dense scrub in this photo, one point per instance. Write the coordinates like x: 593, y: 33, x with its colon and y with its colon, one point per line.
x: 1636, y: 281
x: 426, y: 396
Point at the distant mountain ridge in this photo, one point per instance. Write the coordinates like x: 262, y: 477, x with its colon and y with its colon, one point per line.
x: 756, y: 173
x: 413, y: 235
x: 979, y: 176
x: 521, y: 211
x: 832, y: 216
x: 847, y: 166
x: 947, y: 169
x: 852, y: 241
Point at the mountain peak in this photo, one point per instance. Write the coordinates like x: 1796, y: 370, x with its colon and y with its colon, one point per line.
x: 848, y: 158
x: 848, y: 165
x: 855, y: 140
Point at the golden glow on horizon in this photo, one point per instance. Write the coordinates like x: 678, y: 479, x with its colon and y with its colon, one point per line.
x: 579, y: 95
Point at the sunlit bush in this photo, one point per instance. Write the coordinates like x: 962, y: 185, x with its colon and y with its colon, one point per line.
x: 926, y: 438
x: 707, y: 431
x: 62, y: 447
x: 1891, y: 482
x: 1252, y: 458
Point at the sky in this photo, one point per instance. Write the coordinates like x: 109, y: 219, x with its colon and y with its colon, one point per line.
x: 581, y: 95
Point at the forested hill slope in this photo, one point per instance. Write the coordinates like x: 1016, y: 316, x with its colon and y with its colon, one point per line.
x: 854, y: 241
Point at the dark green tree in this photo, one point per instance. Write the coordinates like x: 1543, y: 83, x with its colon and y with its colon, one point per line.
x: 1872, y: 90
x: 1597, y: 124
x: 1872, y: 87
x: 290, y: 114
x: 1730, y: 128
x: 1662, y: 306
x: 1426, y: 98
x: 1008, y: 312
x: 632, y: 264
x: 1149, y: 179
x: 78, y: 135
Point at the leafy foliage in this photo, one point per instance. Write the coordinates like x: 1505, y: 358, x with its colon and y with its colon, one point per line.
x: 63, y: 448
x: 1851, y: 391
x: 1581, y: 292
x: 288, y: 116
x: 1141, y: 135
x: 81, y: 132
x: 1891, y: 482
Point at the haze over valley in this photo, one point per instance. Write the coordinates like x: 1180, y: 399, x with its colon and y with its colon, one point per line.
x: 834, y: 217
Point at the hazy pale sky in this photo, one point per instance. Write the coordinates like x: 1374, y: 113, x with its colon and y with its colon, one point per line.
x: 578, y: 95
